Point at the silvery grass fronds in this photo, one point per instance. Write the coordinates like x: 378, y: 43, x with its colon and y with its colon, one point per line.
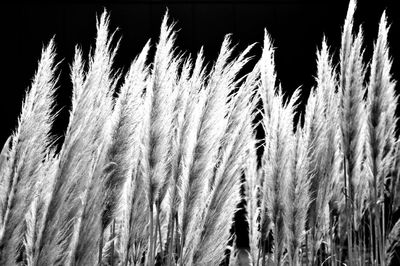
x: 320, y: 129
x: 134, y: 216
x: 329, y: 184
x: 35, y: 215
x: 321, y: 124
x: 267, y: 93
x: 298, y: 199
x: 352, y: 71
x: 74, y: 202
x: 276, y: 169
x: 381, y: 109
x: 252, y: 197
x: 251, y: 184
x: 89, y: 226
x: 222, y: 82
x: 209, y: 131
x: 352, y: 115
x: 186, y: 122
x: 315, y: 134
x: 160, y: 88
x: 395, y: 181
x: 393, y: 236
x: 192, y: 166
x: 125, y: 132
x: 124, y: 147
x: 315, y: 137
x: 392, y: 243
x: 268, y: 75
x: 134, y: 206
x: 212, y: 231
x: 28, y: 148
x: 161, y: 93
x: 4, y: 161
x: 277, y: 124
x: 184, y: 93
x: 327, y: 86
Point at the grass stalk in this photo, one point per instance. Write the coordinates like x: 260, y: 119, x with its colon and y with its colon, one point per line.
x: 150, y: 254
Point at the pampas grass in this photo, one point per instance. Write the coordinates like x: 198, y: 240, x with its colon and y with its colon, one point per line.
x: 22, y: 168
x: 352, y: 114
x: 252, y: 191
x: 221, y: 204
x: 320, y: 129
x: 298, y: 200
x: 151, y: 172
x: 381, y: 126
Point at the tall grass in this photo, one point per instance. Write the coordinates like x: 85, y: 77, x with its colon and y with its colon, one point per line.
x: 152, y: 172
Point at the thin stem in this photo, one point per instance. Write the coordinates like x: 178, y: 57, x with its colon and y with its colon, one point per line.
x: 348, y: 224
x: 263, y: 239
x: 259, y: 252
x: 277, y: 252
x: 112, y: 243
x: 151, y: 230
x: 331, y: 236
x: 377, y: 230
x: 155, y: 241
x: 170, y: 241
x: 372, y: 234
x: 159, y: 231
x: 307, y: 248
x: 383, y: 252
x: 179, y: 249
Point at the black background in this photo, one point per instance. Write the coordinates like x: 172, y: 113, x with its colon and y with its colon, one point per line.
x: 297, y: 27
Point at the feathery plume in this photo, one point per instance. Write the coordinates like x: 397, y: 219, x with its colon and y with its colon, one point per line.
x: 267, y: 94
x: 395, y: 181
x: 4, y: 178
x: 381, y: 116
x: 352, y: 106
x: 277, y: 123
x: 29, y: 144
x: 124, y: 138
x: 186, y: 122
x: 126, y: 151
x: 276, y: 171
x: 212, y: 123
x: 298, y: 199
x: 321, y: 127
x: 81, y: 162
x: 352, y: 115
x: 161, y: 94
x: 213, y: 232
x: 252, y: 190
x: 268, y: 75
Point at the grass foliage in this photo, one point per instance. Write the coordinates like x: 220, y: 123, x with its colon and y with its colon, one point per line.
x: 152, y: 174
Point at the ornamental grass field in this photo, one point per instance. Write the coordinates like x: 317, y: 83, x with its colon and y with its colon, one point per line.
x: 151, y: 172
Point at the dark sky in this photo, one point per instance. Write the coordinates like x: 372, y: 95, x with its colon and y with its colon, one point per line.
x: 297, y: 27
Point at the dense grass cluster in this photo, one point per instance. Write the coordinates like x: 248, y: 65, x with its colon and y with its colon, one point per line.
x: 153, y: 174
